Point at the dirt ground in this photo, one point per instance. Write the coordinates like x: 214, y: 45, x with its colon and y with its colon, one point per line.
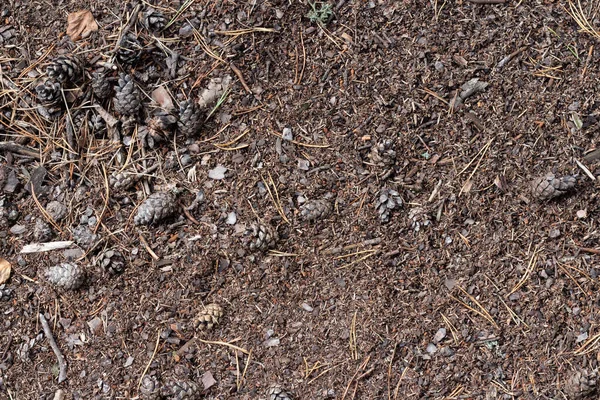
x: 474, y: 288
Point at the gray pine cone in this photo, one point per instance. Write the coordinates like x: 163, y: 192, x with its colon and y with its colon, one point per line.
x: 84, y: 237
x: 48, y: 92
x: 315, y: 209
x: 156, y: 207
x: 153, y: 20
x: 5, y: 292
x: 56, y: 210
x: 42, y: 231
x: 149, y: 389
x: 101, y: 84
x: 180, y: 389
x: 261, y: 237
x: 64, y: 69
x: 549, y: 186
x: 208, y: 317
x: 66, y: 275
x: 388, y: 201
x: 581, y: 384
x: 127, y: 98
x: 7, y: 34
x: 130, y: 49
x: 190, y: 118
x: 112, y: 261
x: 383, y: 154
x: 278, y: 393
x: 96, y: 123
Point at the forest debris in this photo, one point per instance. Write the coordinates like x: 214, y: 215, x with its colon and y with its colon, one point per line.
x: 62, y: 364
x: 80, y: 24
x: 5, y: 269
x: 549, y: 186
x: 42, y: 247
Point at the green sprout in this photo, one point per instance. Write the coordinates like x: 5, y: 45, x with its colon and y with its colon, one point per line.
x: 320, y: 15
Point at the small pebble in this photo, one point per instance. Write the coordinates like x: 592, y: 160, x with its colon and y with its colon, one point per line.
x: 306, y: 307
x: 287, y: 134
x: 581, y: 214
x: 18, y: 229
x: 554, y: 233
x: 231, y: 218
x: 128, y: 362
x: 439, y: 335
x: 272, y: 342
x: 217, y: 173
x: 431, y: 348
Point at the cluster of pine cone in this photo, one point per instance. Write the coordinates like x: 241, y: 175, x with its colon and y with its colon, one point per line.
x: 109, y: 84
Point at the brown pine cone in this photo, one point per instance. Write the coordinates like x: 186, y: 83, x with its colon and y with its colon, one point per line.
x: 130, y: 49
x: 48, y: 92
x: 277, y: 393
x: 208, y: 317
x: 315, y: 209
x: 388, y: 201
x: 261, y: 237
x: 549, y: 186
x: 153, y: 20
x: 383, y: 154
x: 66, y: 275
x: 190, y: 118
x: 581, y: 384
x: 177, y: 389
x: 127, y: 98
x: 64, y: 69
x: 156, y: 207
x: 101, y: 84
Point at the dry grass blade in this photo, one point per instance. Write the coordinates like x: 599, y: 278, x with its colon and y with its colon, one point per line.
x: 582, y: 18
x: 275, y: 198
x: 590, y: 346
x: 353, y: 345
x: 180, y: 11
x: 200, y: 39
x: 149, y: 361
x: 482, y: 311
x: 318, y: 146
x: 237, y: 32
x: 231, y: 346
x: 452, y: 329
x: 530, y: 267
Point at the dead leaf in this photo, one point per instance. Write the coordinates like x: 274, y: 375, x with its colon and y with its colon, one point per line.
x: 80, y: 24
x: 161, y: 96
x: 4, y: 270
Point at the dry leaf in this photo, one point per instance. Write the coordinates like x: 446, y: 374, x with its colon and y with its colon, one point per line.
x: 161, y: 96
x: 80, y: 24
x: 4, y: 270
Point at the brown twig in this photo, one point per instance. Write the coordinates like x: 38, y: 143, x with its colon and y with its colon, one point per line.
x: 62, y: 364
x: 238, y: 73
x: 17, y: 148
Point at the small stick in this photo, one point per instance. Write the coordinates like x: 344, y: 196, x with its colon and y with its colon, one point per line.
x: 62, y: 364
x: 584, y: 169
x: 147, y: 246
x: 149, y: 361
x: 42, y: 247
x: 17, y: 148
x: 238, y: 73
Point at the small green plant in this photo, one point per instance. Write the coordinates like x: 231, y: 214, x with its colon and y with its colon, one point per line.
x: 322, y: 15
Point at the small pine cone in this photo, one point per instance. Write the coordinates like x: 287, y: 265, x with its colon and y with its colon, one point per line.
x: 48, y: 92
x: 66, y: 275
x: 7, y: 34
x: 208, y: 317
x: 130, y: 50
x: 156, y: 207
x: 315, y: 209
x: 112, y: 261
x: 96, y: 123
x: 162, y: 121
x: 388, y: 201
x: 127, y: 96
x: 84, y: 237
x: 581, y: 384
x: 383, y: 154
x: 149, y: 389
x: 180, y: 390
x: 123, y: 180
x: 101, y: 84
x: 262, y: 237
x: 190, y: 118
x: 64, y: 69
x: 42, y: 231
x: 56, y: 210
x: 153, y: 20
x: 5, y: 292
x: 549, y: 187
x: 277, y: 393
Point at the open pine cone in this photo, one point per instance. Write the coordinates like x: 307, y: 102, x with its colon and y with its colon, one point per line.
x: 388, y: 201
x: 156, y: 207
x: 48, y: 92
x: 582, y: 384
x: 315, y: 209
x: 64, y: 69
x: 208, y: 317
x: 101, y: 84
x: 153, y: 20
x: 127, y: 99
x: 190, y: 118
x: 130, y: 49
x: 261, y: 237
x: 549, y: 186
x: 177, y: 389
x: 66, y: 275
x: 277, y: 393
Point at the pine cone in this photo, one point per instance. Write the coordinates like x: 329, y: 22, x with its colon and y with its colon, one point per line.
x: 127, y: 97
x: 101, y: 84
x: 581, y: 384
x: 180, y: 389
x: 153, y: 20
x: 277, y: 393
x: 315, y: 209
x: 156, y: 207
x: 96, y: 124
x: 149, y: 389
x: 190, y: 118
x: 64, y: 69
x: 388, y: 201
x: 130, y: 49
x: 112, y: 261
x: 549, y: 187
x: 48, y: 92
x: 7, y: 33
x: 208, y: 317
x: 162, y: 121
x: 262, y: 237
x: 66, y: 275
x: 5, y: 292
x: 383, y: 154
x: 56, y: 210
x: 84, y: 237
x: 42, y: 231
